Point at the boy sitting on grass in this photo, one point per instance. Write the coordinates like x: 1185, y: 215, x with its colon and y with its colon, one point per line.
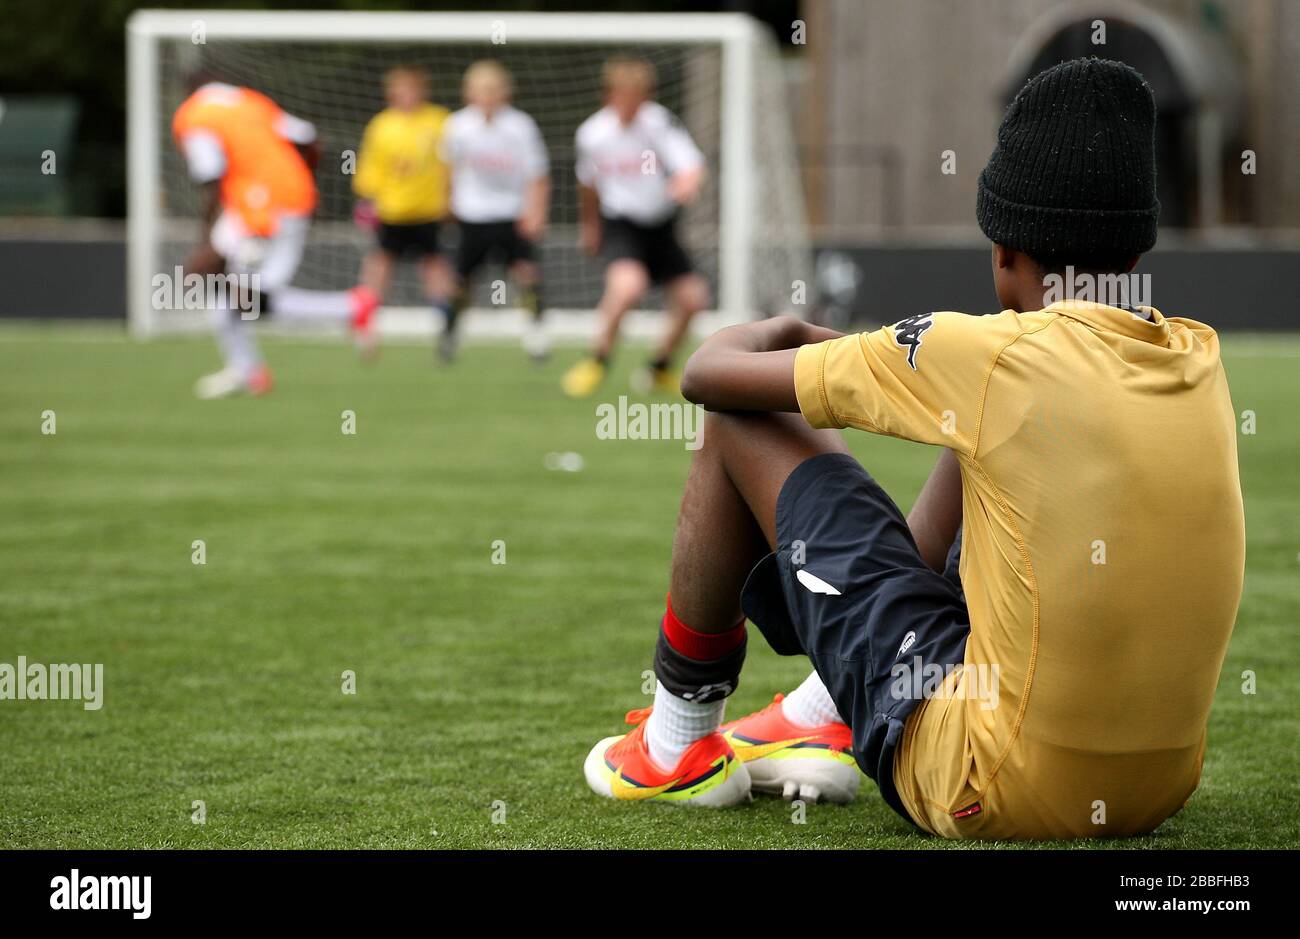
x: 1032, y: 653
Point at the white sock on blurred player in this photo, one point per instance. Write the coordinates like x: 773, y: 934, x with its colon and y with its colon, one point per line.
x: 236, y: 340
x: 810, y: 704
x: 676, y: 723
x: 294, y: 304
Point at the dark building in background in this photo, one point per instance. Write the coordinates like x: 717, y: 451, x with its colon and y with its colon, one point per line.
x: 890, y: 87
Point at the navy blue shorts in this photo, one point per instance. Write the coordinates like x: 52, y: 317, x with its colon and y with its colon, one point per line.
x: 848, y: 588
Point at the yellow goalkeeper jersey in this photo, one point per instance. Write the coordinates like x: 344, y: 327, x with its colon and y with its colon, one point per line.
x: 399, y: 166
x: 1102, y: 556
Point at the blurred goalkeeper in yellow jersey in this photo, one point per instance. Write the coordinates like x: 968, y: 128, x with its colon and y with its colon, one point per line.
x: 402, y: 183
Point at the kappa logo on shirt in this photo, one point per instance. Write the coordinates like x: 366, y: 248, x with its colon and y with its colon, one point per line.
x: 907, y: 333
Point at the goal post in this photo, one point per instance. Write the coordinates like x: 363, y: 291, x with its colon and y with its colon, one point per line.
x: 719, y: 72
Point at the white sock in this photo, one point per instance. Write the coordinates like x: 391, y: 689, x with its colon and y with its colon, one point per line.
x: 236, y: 340
x: 676, y: 723
x: 293, y: 304
x: 810, y: 704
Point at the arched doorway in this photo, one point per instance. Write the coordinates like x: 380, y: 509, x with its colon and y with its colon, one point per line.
x: 1194, y: 79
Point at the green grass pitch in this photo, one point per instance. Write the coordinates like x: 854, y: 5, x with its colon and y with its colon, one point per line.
x: 480, y: 686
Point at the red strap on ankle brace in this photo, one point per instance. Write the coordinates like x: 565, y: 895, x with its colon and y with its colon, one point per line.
x: 702, y: 647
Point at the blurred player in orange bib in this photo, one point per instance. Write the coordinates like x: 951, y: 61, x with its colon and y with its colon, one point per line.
x: 255, y: 163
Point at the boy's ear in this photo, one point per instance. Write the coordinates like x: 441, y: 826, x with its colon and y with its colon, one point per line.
x: 1128, y: 268
x: 1003, y: 257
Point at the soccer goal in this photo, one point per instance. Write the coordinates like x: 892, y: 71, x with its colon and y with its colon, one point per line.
x: 720, y: 73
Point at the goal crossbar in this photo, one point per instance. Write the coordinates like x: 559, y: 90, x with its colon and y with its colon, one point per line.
x: 446, y: 27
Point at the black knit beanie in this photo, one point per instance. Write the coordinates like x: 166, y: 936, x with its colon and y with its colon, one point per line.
x: 1073, y: 176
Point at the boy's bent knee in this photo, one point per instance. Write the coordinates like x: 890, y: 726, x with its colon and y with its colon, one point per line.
x: 771, y: 430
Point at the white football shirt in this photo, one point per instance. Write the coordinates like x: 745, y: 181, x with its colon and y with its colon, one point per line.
x: 492, y: 162
x: 629, y: 165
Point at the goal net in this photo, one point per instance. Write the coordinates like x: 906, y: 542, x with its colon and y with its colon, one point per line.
x: 719, y: 73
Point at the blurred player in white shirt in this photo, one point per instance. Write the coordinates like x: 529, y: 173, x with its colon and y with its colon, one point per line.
x: 636, y: 166
x: 500, y: 193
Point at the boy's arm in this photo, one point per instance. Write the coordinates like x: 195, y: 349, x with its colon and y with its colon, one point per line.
x: 302, y: 134
x: 922, y: 379
x: 683, y: 160
x: 936, y: 515
x: 211, y: 204
x: 310, y: 153
x: 684, y: 186
x: 206, y: 161
x: 537, y: 196
x: 447, y: 152
x: 537, y: 202
x: 203, y: 258
x: 750, y: 367
x: 588, y: 219
x: 584, y: 168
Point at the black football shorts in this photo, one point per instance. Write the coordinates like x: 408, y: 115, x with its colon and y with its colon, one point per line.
x: 847, y: 587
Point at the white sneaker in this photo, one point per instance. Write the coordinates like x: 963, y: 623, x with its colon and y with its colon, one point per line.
x: 222, y: 384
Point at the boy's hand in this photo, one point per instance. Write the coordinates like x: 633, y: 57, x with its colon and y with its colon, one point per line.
x: 531, y: 226
x: 750, y: 367
x: 310, y: 153
x: 684, y: 187
x: 204, y: 260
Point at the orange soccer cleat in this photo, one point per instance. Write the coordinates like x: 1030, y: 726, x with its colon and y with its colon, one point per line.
x: 809, y: 763
x: 708, y: 774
